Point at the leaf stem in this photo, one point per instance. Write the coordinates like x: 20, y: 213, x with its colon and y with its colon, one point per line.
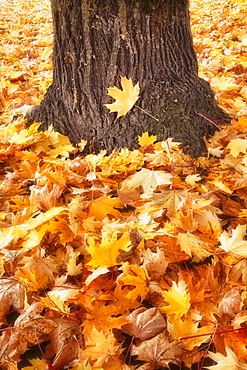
x: 156, y: 119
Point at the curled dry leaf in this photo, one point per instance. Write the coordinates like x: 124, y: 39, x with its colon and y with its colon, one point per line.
x: 12, y: 294
x: 29, y: 329
x: 65, y: 342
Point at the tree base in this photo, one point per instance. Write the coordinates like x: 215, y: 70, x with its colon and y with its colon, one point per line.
x: 180, y: 105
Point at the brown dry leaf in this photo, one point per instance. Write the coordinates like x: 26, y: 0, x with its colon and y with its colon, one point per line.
x: 12, y: 294
x: 30, y: 328
x: 230, y: 303
x: 144, y: 323
x: 154, y: 262
x: 158, y: 351
x: 65, y: 341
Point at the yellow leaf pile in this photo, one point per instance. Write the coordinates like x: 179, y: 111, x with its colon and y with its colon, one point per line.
x: 133, y: 260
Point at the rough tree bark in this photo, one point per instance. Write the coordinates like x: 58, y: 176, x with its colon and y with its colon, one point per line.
x: 96, y: 42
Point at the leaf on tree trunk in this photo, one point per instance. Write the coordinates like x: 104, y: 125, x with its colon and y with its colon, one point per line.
x: 145, y: 139
x: 125, y: 98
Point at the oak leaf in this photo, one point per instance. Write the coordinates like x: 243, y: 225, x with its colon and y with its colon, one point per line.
x: 125, y: 98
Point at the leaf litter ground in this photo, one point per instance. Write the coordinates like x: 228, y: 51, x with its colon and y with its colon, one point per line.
x: 135, y: 259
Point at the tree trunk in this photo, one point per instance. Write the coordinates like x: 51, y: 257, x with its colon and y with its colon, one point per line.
x: 98, y: 41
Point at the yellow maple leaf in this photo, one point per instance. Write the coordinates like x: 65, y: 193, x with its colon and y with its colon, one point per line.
x: 178, y: 299
x: 37, y: 364
x: 148, y: 179
x: 235, y: 243
x: 192, y: 180
x: 237, y: 146
x: 105, y: 254
x: 145, y: 139
x: 230, y: 361
x: 190, y: 328
x: 73, y: 268
x: 125, y: 98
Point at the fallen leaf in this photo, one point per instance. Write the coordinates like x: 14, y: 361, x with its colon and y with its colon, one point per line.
x: 234, y: 244
x: 229, y: 362
x: 178, y: 299
x: 106, y: 253
x: 144, y: 323
x: 148, y: 179
x: 158, y: 351
x: 100, y: 347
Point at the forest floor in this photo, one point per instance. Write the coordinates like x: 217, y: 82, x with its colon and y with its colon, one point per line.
x: 133, y: 260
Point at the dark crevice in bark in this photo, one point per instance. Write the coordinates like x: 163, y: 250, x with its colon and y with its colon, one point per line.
x: 96, y: 42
